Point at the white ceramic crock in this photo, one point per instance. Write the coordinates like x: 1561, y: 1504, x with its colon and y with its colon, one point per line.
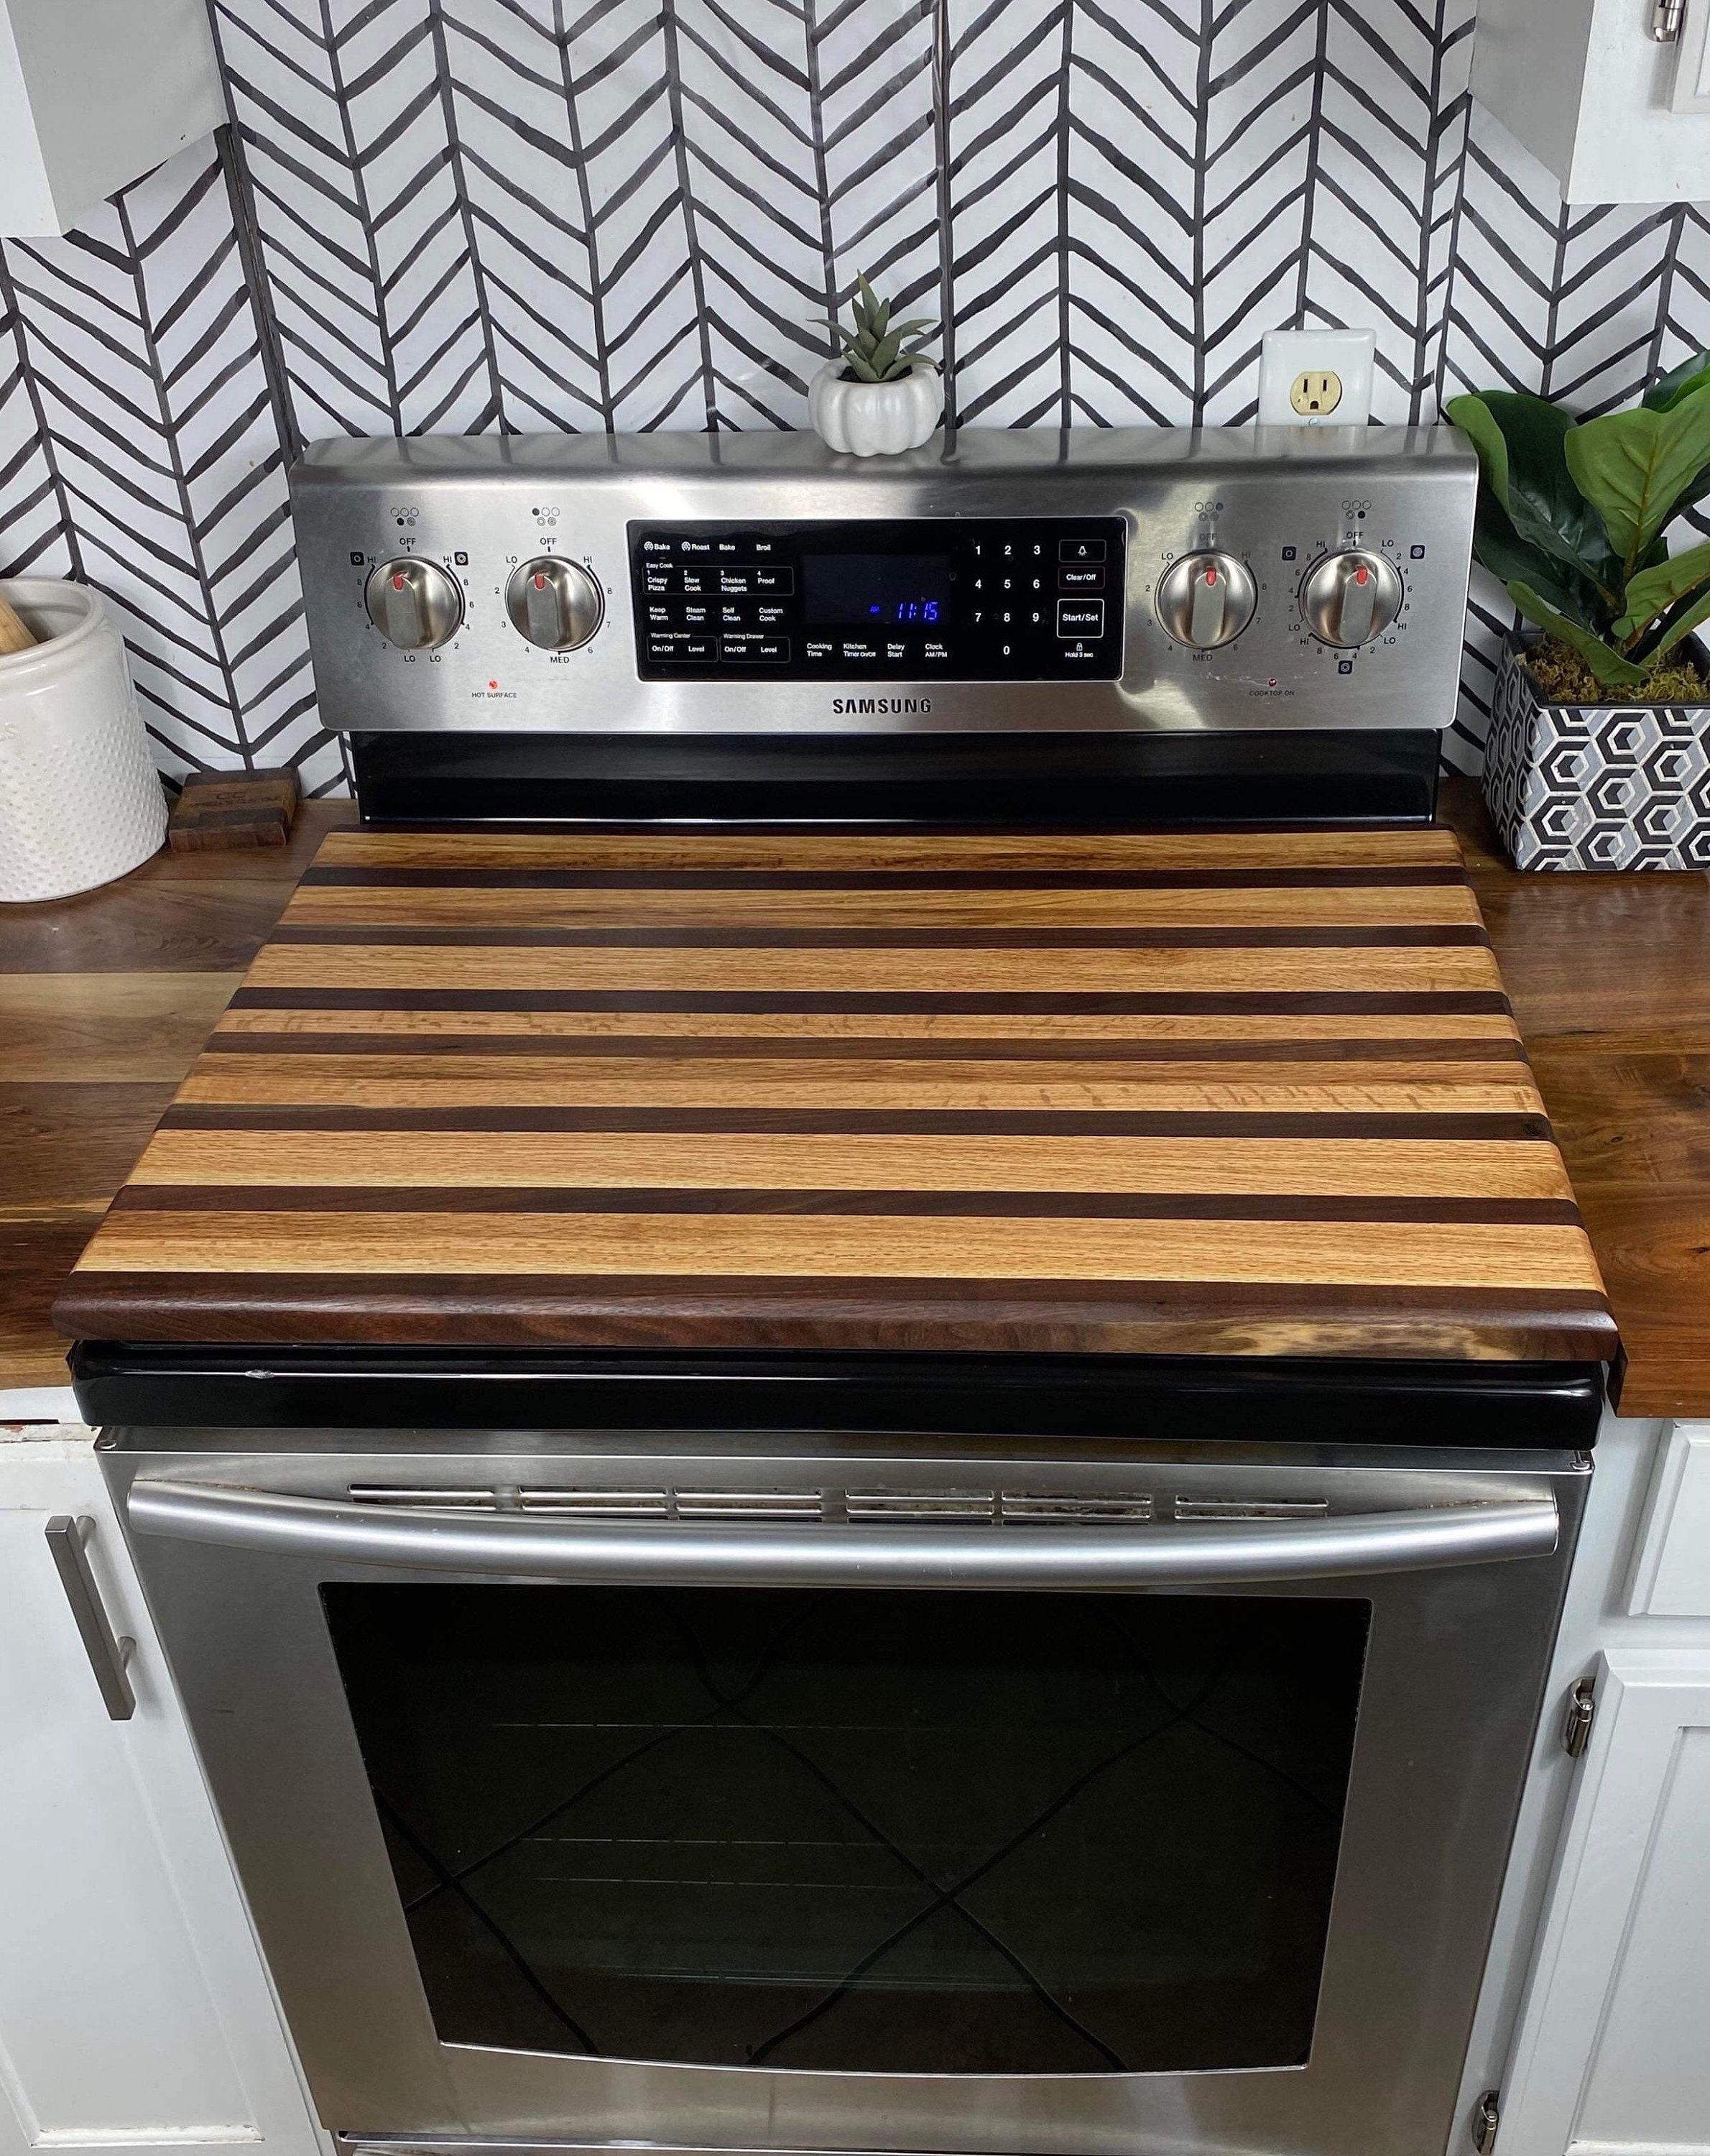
x: 80, y: 800
x: 875, y: 418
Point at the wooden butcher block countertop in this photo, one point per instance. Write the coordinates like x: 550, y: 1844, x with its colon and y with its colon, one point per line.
x: 1248, y: 1094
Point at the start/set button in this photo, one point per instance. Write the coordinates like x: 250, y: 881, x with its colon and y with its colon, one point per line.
x: 1080, y: 616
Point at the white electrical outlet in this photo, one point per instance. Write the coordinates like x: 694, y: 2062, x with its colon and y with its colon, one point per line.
x: 1317, y: 377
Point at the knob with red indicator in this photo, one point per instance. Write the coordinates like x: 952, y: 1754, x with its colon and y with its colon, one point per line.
x: 1205, y: 600
x: 416, y: 605
x: 1351, y: 597
x: 554, y: 603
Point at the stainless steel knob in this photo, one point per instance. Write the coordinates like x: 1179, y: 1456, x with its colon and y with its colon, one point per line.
x: 555, y: 604
x: 1205, y: 600
x: 1350, y: 599
x: 415, y: 605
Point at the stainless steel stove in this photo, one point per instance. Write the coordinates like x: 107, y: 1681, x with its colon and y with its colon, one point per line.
x: 962, y: 1755
x: 579, y: 626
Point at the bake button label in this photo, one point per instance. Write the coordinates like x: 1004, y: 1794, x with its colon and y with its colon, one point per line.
x: 1080, y: 616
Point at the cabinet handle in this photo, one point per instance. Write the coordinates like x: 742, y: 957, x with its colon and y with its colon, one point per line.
x: 107, y: 1655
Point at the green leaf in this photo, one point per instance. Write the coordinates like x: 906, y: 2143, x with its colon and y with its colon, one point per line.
x: 1610, y: 667
x: 1634, y: 467
x: 1652, y: 591
x: 1680, y: 381
x: 1520, y: 444
x: 1681, y: 624
x: 884, y: 354
x: 1510, y: 559
x: 881, y: 321
x: 860, y: 368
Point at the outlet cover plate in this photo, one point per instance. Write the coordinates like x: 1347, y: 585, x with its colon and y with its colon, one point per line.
x: 1290, y: 353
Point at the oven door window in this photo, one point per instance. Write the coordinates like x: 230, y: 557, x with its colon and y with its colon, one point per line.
x: 905, y: 1832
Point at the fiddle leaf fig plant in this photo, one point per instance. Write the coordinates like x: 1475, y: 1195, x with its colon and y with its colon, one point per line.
x: 1572, y: 515
x: 877, y: 349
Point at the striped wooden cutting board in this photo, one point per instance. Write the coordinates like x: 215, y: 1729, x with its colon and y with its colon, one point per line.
x: 1255, y: 1093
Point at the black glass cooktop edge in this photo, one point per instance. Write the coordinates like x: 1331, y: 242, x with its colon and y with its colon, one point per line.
x: 1007, y: 782
x: 1543, y: 1406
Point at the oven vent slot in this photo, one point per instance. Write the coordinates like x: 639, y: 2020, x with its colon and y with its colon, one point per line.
x: 598, y: 1504
x: 1075, y: 1507
x: 921, y: 1505
x: 411, y: 1497
x: 1252, y: 1508
x: 750, y: 1505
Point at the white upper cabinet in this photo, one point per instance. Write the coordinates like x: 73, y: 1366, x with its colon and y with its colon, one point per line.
x: 93, y: 95
x: 1617, y: 117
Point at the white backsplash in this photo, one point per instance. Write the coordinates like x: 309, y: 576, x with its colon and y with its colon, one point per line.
x: 461, y: 215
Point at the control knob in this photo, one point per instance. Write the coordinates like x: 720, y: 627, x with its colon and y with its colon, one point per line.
x: 1350, y: 599
x: 1206, y: 599
x: 555, y: 604
x: 415, y: 605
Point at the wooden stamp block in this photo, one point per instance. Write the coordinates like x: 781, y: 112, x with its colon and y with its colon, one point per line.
x: 220, y: 809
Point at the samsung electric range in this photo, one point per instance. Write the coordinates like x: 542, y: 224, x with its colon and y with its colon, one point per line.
x: 856, y: 1389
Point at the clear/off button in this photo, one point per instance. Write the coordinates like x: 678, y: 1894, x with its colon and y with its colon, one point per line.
x: 1080, y: 616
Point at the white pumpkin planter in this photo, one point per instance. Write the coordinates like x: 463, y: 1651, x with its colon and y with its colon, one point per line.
x: 875, y: 418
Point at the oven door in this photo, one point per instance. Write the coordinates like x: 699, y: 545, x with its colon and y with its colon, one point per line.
x: 797, y: 1801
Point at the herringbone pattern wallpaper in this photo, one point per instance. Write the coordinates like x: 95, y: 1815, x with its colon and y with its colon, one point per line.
x: 466, y: 215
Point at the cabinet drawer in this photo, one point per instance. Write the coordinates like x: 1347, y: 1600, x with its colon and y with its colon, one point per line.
x: 1672, y: 1562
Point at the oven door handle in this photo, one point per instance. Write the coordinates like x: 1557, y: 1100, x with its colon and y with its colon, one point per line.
x: 1175, y: 1553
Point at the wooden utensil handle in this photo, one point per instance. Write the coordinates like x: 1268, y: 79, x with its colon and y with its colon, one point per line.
x: 13, y: 635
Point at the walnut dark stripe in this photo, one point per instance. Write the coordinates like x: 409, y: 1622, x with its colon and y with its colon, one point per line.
x: 878, y: 1316
x: 972, y: 1205
x: 985, y: 1048
x: 507, y: 937
x: 732, y: 1003
x: 917, y: 1122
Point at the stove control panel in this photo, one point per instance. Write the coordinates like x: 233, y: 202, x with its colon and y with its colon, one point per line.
x: 1091, y: 580
x: 963, y: 599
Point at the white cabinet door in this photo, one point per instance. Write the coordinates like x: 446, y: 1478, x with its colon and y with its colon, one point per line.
x: 1613, y: 2048
x: 134, y: 2006
x: 1616, y: 116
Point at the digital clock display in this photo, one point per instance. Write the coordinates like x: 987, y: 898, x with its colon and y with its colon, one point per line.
x: 876, y: 591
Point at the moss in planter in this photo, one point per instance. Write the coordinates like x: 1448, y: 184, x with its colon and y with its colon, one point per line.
x: 1562, y: 676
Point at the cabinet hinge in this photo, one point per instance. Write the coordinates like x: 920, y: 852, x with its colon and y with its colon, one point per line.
x: 1487, y: 2118
x: 1666, y: 18
x: 1582, y: 1712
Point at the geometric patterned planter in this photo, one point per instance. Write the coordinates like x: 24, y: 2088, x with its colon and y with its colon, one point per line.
x: 1596, y: 786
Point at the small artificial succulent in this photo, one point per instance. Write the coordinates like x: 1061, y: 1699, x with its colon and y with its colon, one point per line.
x: 1572, y: 515
x: 875, y: 350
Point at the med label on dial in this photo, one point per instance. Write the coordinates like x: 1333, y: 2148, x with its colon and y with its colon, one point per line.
x: 1204, y: 600
x: 555, y: 603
